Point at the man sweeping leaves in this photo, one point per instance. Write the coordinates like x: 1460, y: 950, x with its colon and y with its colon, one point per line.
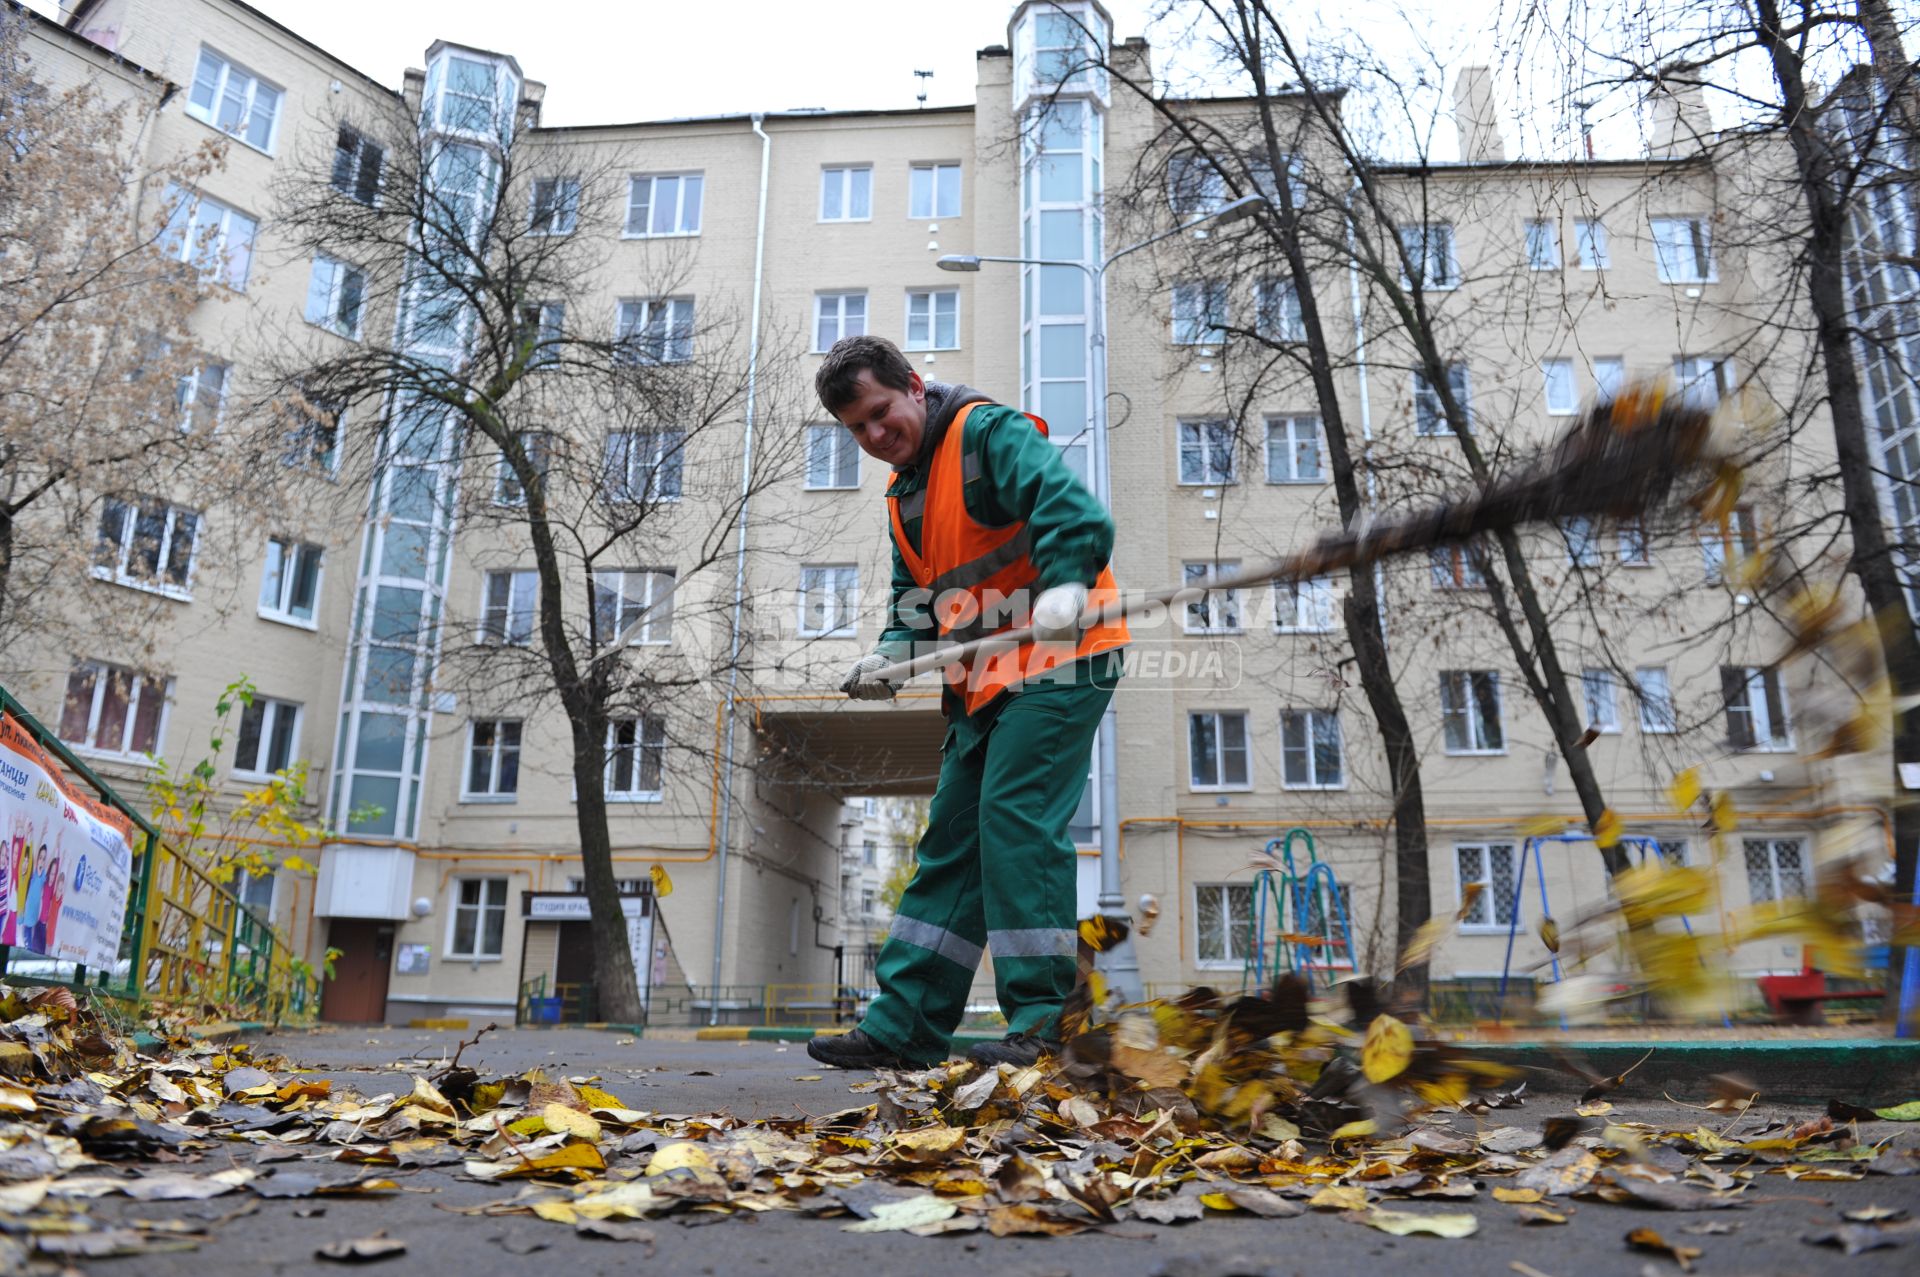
x: 991, y: 532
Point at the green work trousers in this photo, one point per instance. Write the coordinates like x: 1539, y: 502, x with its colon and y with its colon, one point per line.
x: 996, y: 872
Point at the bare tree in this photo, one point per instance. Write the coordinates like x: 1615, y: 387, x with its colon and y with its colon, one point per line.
x: 599, y: 438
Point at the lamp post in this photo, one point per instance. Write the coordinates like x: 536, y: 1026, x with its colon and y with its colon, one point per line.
x: 1119, y: 964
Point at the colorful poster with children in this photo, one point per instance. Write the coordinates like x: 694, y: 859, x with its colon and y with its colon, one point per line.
x: 65, y: 859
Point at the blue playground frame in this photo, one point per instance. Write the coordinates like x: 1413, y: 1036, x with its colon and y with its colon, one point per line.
x: 1318, y: 885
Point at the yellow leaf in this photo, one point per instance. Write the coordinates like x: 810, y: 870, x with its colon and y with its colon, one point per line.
x: 1388, y: 1049
x: 1725, y: 818
x: 662, y: 884
x: 556, y: 1211
x: 1355, y: 1130
x: 1339, y: 1197
x: 1516, y: 1194
x: 671, y: 1157
x: 930, y: 1143
x: 560, y: 1118
x: 1405, y: 1223
x: 1607, y: 830
x: 594, y: 1098
x: 1550, y: 934
x: 1684, y: 792
x: 1217, y: 1201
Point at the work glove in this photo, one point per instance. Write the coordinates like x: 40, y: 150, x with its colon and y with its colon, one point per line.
x: 861, y: 684
x: 1056, y: 613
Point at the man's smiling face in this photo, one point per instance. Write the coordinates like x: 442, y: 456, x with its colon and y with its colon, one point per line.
x: 887, y: 423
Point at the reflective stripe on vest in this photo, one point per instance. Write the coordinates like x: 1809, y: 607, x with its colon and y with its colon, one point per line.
x: 972, y: 571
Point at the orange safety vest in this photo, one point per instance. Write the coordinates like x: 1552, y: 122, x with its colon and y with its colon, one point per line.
x: 981, y: 579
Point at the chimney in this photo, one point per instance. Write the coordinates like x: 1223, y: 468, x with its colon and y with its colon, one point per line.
x: 1475, y: 117
x: 1678, y: 123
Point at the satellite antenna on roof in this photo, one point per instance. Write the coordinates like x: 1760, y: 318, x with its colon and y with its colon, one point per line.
x: 921, y: 96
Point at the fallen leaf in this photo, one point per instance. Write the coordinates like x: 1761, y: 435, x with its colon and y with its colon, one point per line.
x: 1647, y: 1239
x: 1873, y: 1215
x: 1407, y: 1223
x: 1541, y: 1215
x: 1387, y: 1051
x: 808, y: 1077
x: 613, y: 1230
x: 1339, y: 1197
x: 1908, y: 1112
x: 365, y: 1250
x: 1263, y: 1202
x: 910, y: 1212
x: 1855, y: 1239
x: 1516, y: 1194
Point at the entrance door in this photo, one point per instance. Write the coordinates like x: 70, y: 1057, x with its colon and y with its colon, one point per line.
x: 573, y: 973
x: 357, y: 994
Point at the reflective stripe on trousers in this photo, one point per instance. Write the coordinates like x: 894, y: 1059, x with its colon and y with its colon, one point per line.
x: 1033, y: 942
x: 937, y: 940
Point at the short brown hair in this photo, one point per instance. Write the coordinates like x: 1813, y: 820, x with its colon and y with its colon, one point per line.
x: 850, y: 357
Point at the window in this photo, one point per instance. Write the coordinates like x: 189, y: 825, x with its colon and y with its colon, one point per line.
x: 1429, y: 415
x: 290, y: 583
x: 146, y: 543
x: 356, y: 165
x: 234, y: 100
x: 1217, y: 751
x: 866, y: 901
x: 1310, y: 755
x: 1675, y: 853
x: 846, y: 194
x: 467, y: 102
x: 1260, y: 173
x: 1199, y: 313
x: 1217, y: 611
x: 1223, y: 919
x: 1470, y: 711
x: 1562, y: 399
x: 1494, y: 868
x: 335, y: 291
x: 656, y: 330
x: 829, y: 599
x: 1276, y: 309
x: 214, y: 239
x: 870, y: 853
x: 933, y: 319
x: 933, y: 191
x: 313, y: 435
x: 1206, y: 452
x: 1429, y: 252
x: 1609, y: 374
x: 1657, y: 715
x: 1724, y: 547
x: 1293, y: 450
x: 1603, y: 707
x: 113, y: 710
x: 493, y: 758
x: 545, y: 325
x: 1304, y: 607
x: 1776, y: 868
x: 1194, y: 184
x: 1582, y: 536
x: 507, y: 488
x: 1683, y: 250
x: 1634, y: 549
x: 254, y: 890
x: 837, y: 315
x: 640, y: 599
x: 200, y: 394
x: 1756, y: 708
x: 645, y: 465
x: 636, y: 757
x: 506, y: 610
x: 479, y: 925
x: 1590, y: 243
x: 1543, y: 245
x: 269, y: 736
x: 664, y: 204
x: 833, y: 458
x: 1704, y: 379
x: 1455, y: 566
x: 554, y: 208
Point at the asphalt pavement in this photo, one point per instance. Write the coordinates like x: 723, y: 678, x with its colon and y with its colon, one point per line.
x: 765, y: 1079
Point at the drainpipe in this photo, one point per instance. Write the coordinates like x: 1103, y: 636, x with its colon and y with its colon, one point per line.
x: 1366, y: 403
x: 739, y: 576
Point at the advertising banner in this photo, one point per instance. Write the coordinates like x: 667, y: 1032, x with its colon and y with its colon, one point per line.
x: 65, y: 859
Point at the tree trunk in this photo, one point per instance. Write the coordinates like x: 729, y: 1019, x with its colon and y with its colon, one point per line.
x: 1873, y: 559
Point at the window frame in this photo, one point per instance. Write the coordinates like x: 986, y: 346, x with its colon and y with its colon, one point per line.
x: 841, y: 319
x: 1309, y: 718
x: 190, y: 394
x: 650, y: 734
x: 1723, y: 548
x: 1452, y: 565
x: 1600, y: 688
x: 563, y: 203
x: 1591, y: 249
x: 1803, y: 846
x: 131, y: 510
x: 645, y: 604
x: 1537, y: 232
x: 1449, y: 245
x: 839, y: 588
x: 1633, y: 546
x: 294, y: 551
x: 1469, y: 686
x: 538, y: 444
x: 356, y: 166
x: 340, y: 273
x: 1289, y: 424
x: 1570, y: 406
x: 1220, y: 785
x: 138, y: 686
x: 846, y: 183
x: 1438, y: 426
x: 1232, y: 939
x: 1692, y: 372
x: 933, y: 296
x: 1580, y: 534
x: 662, y: 460
x: 1207, y: 326
x: 933, y: 169
x: 488, y: 632
x: 674, y: 342
x: 480, y: 907
x: 272, y: 710
x: 1699, y: 243
x: 653, y: 179
x: 1292, y: 592
x: 497, y: 751
x: 1772, y: 697
x: 1208, y: 441
x: 1227, y: 602
x: 1273, y: 318
x: 183, y: 204
x: 209, y: 115
x: 1496, y: 924
x: 843, y: 443
x: 1198, y: 188
x: 1664, y: 720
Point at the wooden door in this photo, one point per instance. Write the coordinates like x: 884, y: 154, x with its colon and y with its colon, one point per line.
x: 573, y: 972
x: 357, y: 994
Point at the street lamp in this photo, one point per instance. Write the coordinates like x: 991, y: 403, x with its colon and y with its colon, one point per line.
x: 1121, y: 967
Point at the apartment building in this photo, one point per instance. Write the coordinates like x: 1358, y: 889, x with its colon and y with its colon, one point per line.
x: 451, y: 881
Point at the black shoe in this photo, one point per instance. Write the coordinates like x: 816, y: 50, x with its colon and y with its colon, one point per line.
x: 1019, y: 1049
x: 855, y: 1050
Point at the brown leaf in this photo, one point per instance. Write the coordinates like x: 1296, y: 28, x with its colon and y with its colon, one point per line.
x: 614, y: 1230
x: 1647, y: 1239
